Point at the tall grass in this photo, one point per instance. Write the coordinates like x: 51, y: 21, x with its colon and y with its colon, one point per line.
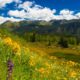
x: 29, y: 65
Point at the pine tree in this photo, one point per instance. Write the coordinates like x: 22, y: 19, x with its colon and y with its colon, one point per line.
x: 33, y: 37
x: 63, y: 42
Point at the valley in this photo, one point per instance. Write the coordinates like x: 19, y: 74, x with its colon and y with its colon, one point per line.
x: 40, y: 50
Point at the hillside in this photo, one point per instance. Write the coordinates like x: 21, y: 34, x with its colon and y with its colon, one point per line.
x: 58, y: 27
x: 38, y: 50
x: 34, y: 62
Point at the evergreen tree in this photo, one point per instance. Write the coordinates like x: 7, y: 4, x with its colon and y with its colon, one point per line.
x: 63, y: 42
x: 49, y: 43
x: 33, y: 37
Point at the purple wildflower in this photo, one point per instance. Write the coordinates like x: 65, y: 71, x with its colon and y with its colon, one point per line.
x: 10, y: 69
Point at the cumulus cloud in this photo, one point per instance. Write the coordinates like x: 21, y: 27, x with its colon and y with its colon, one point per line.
x: 32, y: 11
x: 40, y: 13
x: 4, y: 2
x: 66, y: 12
x: 4, y: 19
x: 26, y: 5
x: 17, y: 13
x: 78, y: 15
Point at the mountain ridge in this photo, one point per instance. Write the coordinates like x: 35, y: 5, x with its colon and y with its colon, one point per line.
x: 60, y: 27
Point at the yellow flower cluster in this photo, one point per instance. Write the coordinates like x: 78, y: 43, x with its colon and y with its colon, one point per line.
x: 32, y: 61
x: 53, y: 57
x: 8, y: 41
x: 26, y: 50
x: 42, y: 70
x: 48, y: 65
x: 72, y: 74
x: 71, y: 63
x: 14, y: 45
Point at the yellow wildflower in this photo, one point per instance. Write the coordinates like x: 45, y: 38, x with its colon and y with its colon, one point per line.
x: 53, y: 57
x: 27, y: 49
x: 42, y: 70
x: 14, y: 45
x: 32, y: 61
x: 8, y: 41
x: 71, y: 63
x: 48, y: 65
x: 65, y: 79
x: 72, y: 74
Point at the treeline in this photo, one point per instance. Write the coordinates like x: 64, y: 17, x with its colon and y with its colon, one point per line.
x: 63, y: 41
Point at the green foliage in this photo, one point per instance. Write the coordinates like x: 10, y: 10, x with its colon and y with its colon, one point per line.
x: 72, y: 40
x: 63, y: 42
x: 33, y: 37
x: 33, y: 66
x: 49, y: 43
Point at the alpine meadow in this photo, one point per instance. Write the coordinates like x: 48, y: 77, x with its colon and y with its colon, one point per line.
x: 39, y: 40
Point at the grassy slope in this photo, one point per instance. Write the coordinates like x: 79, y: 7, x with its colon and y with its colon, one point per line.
x: 38, y: 62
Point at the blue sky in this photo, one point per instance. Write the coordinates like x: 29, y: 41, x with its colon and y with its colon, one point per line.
x: 60, y: 4
x: 53, y: 4
x: 39, y: 9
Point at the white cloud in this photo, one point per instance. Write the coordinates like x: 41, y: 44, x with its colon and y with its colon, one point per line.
x: 26, y: 5
x: 4, y: 2
x: 78, y: 15
x: 17, y: 1
x: 40, y: 13
x: 66, y: 12
x: 17, y: 13
x: 32, y: 11
x: 4, y: 19
x: 37, y: 12
x: 14, y: 19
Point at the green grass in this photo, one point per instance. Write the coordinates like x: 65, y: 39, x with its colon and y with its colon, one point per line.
x: 32, y: 64
x: 67, y: 56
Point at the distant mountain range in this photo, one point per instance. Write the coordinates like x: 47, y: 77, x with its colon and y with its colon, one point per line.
x: 57, y: 27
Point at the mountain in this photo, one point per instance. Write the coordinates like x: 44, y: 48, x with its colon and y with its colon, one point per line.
x: 58, y: 27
